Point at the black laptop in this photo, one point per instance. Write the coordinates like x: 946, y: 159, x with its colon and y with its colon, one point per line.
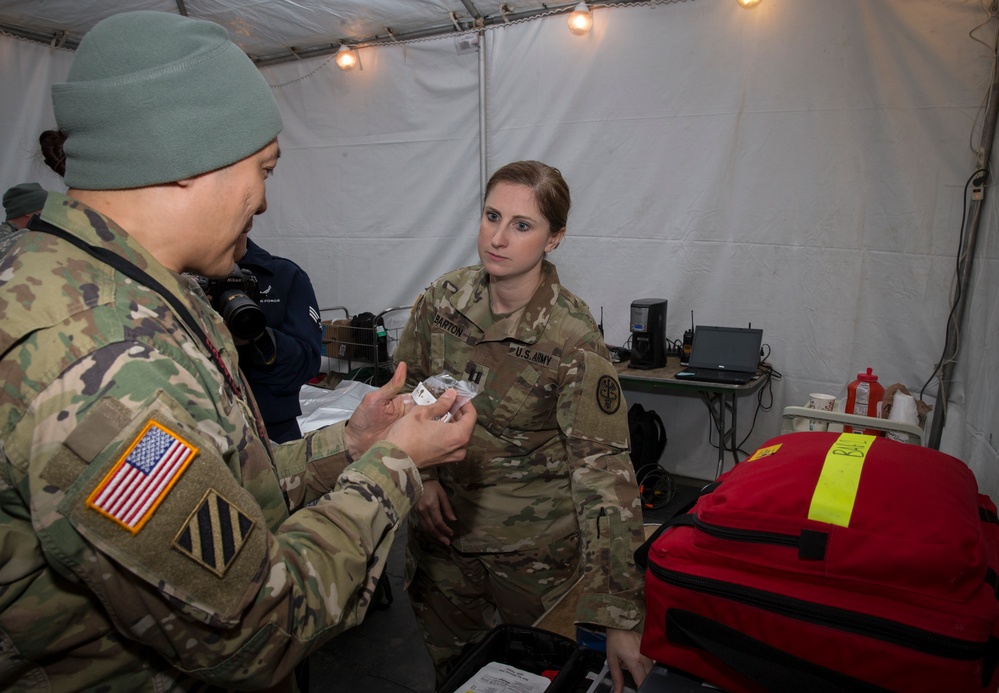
x: 723, y: 355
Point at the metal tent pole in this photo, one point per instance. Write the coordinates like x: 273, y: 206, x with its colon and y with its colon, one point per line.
x: 951, y: 345
x: 483, y: 136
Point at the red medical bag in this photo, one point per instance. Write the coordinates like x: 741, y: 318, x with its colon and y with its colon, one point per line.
x: 830, y: 562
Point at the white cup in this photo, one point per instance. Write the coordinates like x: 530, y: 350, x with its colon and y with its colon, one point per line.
x: 903, y: 408
x: 821, y: 402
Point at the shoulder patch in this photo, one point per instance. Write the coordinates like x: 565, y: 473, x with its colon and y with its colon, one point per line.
x: 214, y: 533
x: 608, y: 394
x: 141, y: 478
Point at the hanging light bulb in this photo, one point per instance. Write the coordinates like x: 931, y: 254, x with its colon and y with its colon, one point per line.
x: 580, y: 21
x: 748, y: 4
x: 346, y: 58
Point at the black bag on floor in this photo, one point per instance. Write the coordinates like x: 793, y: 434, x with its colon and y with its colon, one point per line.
x: 648, y: 439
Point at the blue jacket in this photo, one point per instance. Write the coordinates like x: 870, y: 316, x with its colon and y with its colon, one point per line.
x: 289, y: 302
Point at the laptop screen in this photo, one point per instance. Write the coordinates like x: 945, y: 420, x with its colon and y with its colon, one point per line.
x: 726, y: 348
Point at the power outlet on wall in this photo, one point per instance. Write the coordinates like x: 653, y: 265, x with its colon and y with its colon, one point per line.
x: 978, y: 187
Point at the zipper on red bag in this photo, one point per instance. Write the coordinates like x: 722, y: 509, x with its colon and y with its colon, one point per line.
x: 746, y: 535
x: 832, y: 617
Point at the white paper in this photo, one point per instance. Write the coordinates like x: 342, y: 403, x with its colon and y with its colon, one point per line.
x: 602, y: 682
x: 503, y: 678
x: 322, y: 406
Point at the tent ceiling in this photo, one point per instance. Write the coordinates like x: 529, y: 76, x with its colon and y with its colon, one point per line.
x: 274, y: 31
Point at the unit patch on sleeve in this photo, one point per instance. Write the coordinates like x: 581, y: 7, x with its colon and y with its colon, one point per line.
x: 214, y: 533
x: 139, y: 481
x: 608, y: 394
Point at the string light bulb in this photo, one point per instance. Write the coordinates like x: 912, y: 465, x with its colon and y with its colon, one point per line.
x: 580, y: 20
x: 748, y: 4
x: 346, y: 58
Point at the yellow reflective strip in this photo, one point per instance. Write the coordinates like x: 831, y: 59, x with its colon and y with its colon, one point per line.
x: 836, y: 490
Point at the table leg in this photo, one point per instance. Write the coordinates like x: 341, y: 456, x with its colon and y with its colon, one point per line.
x: 716, y: 409
x: 735, y: 437
x: 718, y: 406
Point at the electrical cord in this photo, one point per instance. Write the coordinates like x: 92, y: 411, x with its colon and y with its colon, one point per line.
x: 655, y: 485
x: 951, y: 327
x: 987, y: 98
x: 766, y: 390
x: 770, y: 374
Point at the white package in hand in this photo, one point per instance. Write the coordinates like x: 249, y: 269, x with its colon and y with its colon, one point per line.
x: 433, y: 387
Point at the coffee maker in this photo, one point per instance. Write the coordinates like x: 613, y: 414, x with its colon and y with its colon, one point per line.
x: 648, y: 333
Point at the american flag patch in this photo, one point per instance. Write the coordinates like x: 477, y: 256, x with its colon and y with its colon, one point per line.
x: 141, y: 479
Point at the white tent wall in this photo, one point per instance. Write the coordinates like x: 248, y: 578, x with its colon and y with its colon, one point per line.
x: 800, y: 166
x: 971, y: 429
x: 378, y: 182
x: 27, y: 71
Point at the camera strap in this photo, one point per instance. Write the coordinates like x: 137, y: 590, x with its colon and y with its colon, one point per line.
x: 142, y: 277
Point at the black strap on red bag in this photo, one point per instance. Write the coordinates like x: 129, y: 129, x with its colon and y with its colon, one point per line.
x: 775, y: 670
x: 682, y: 517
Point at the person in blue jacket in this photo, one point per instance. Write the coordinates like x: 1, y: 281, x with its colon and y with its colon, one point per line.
x: 276, y: 377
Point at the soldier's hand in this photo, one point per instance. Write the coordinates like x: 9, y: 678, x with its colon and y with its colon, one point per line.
x: 623, y: 653
x: 429, y: 442
x: 433, y: 510
x: 376, y: 413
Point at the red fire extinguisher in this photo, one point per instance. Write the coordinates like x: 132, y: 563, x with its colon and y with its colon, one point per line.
x: 865, y: 396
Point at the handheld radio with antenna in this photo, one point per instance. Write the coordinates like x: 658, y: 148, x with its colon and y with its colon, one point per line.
x: 688, y: 341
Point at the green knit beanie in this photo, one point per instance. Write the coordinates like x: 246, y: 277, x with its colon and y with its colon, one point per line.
x: 154, y: 97
x: 24, y: 198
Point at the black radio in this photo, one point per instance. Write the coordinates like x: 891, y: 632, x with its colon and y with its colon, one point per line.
x: 688, y: 342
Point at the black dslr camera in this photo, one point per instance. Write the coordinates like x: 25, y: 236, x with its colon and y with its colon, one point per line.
x: 235, y: 299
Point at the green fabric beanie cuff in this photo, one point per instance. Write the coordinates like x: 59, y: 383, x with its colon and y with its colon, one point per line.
x: 24, y: 198
x: 153, y: 97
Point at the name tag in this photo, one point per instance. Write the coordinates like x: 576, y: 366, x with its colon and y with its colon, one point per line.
x: 442, y: 323
x: 536, y: 357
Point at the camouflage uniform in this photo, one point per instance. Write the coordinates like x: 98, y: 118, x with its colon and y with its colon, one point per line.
x: 209, y: 577
x: 8, y: 237
x: 547, y: 468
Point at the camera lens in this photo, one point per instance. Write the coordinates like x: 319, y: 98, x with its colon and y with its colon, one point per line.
x: 242, y: 316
